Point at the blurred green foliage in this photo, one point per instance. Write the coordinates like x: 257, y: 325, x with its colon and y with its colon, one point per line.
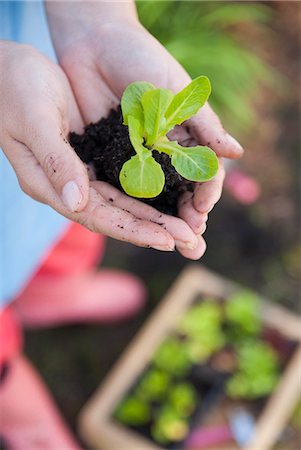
x: 182, y: 398
x: 242, y: 312
x: 258, y: 371
x: 201, y: 326
x: 133, y: 411
x: 172, y: 357
x: 201, y: 36
x: 154, y: 385
x: 169, y: 426
x: 166, y: 397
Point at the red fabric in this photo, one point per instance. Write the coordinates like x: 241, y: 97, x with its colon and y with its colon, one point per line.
x: 10, y: 335
x: 244, y: 188
x: 78, y: 250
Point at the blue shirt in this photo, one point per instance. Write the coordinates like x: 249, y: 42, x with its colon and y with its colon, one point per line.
x: 27, y: 228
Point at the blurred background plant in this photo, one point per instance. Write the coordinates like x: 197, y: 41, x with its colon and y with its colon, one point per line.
x: 204, y: 37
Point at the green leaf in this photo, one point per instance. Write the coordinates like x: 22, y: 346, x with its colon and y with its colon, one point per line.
x: 131, y: 100
x: 142, y: 176
x: 193, y: 163
x: 155, y: 104
x: 188, y: 101
x: 136, y: 135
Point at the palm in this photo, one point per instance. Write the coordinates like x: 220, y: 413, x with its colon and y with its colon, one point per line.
x: 109, y: 61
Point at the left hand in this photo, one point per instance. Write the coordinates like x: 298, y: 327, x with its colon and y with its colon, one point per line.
x: 102, y: 48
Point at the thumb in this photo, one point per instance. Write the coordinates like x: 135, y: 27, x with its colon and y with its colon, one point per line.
x: 64, y: 169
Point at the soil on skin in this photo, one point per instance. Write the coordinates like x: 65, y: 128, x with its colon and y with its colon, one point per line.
x: 106, y: 146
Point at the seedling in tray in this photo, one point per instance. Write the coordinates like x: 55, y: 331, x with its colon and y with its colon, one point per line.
x: 211, y: 346
x: 150, y: 114
x: 184, y: 381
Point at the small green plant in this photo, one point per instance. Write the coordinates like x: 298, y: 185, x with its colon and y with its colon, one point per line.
x: 183, y: 398
x: 169, y: 426
x: 201, y: 319
x: 154, y: 385
x: 133, y: 411
x: 201, y: 326
x: 242, y: 312
x: 258, y: 371
x: 150, y: 114
x: 172, y: 357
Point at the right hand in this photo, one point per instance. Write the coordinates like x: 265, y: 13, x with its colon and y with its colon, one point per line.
x: 37, y: 111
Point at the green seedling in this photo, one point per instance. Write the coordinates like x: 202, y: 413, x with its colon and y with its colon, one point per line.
x: 202, y: 318
x: 150, y: 114
x: 183, y: 398
x: 133, y: 411
x: 201, y: 326
x: 200, y: 348
x: 258, y: 371
x: 172, y: 357
x: 169, y: 426
x: 154, y: 385
x: 242, y: 313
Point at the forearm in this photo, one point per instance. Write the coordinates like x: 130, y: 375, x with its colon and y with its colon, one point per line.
x: 70, y: 20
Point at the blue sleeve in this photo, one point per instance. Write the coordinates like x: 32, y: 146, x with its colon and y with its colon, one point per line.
x: 28, y: 229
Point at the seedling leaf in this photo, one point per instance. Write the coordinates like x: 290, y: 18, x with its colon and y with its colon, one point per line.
x: 150, y: 113
x: 155, y: 104
x: 142, y: 177
x: 193, y: 163
x: 188, y: 101
x: 136, y: 135
x: 131, y: 100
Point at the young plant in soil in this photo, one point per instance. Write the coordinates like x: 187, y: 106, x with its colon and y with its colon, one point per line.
x: 258, y: 371
x: 131, y: 150
x: 172, y: 357
x: 133, y: 411
x: 242, y: 315
x: 150, y: 114
x: 201, y: 327
x: 154, y: 385
x: 169, y: 426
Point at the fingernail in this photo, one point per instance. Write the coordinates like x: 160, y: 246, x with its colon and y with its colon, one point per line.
x: 211, y: 208
x: 203, y: 207
x: 163, y: 248
x: 200, y: 220
x: 188, y: 245
x: 235, y: 145
x: 71, y: 196
x: 201, y: 230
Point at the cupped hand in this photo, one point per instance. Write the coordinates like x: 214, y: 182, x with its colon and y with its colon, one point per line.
x: 101, y: 54
x: 37, y: 110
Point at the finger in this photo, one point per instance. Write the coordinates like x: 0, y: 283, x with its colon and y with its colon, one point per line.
x: 103, y: 217
x: 93, y: 95
x: 46, y: 139
x: 187, y: 212
x: 181, y: 135
x: 197, y: 253
x: 98, y: 215
x: 177, y: 228
x: 207, y: 194
x: 75, y: 120
x: 207, y: 129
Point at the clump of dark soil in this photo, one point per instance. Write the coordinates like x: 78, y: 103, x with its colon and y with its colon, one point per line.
x: 106, y: 146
